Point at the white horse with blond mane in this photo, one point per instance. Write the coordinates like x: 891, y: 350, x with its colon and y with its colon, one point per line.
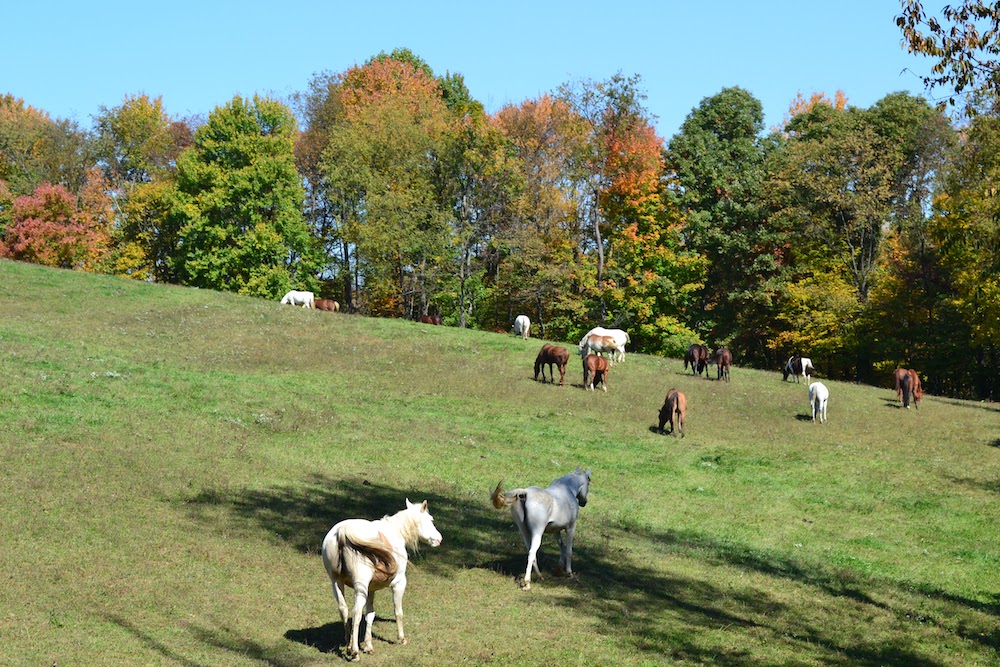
x: 298, y: 298
x: 371, y: 555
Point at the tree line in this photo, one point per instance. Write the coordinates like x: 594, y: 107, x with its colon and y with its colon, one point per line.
x: 864, y: 238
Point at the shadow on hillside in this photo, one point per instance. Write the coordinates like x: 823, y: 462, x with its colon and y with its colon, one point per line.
x: 995, y: 443
x: 659, y: 612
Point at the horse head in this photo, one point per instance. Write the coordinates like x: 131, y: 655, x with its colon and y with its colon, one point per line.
x: 425, y: 523
x: 584, y: 488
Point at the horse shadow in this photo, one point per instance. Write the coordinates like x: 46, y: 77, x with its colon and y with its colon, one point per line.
x: 892, y: 403
x: 606, y: 582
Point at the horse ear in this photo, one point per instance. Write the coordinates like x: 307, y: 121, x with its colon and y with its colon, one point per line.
x: 423, y: 506
x: 408, y: 504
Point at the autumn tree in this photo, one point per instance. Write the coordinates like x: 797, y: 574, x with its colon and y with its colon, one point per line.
x: 48, y: 228
x: 379, y: 162
x: 34, y: 148
x: 238, y: 201
x: 965, y: 42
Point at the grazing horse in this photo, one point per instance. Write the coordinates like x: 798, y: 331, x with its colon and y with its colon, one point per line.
x: 595, y: 367
x: 674, y: 411
x: 551, y: 510
x: 329, y: 305
x: 915, y: 390
x: 371, y: 555
x: 522, y: 325
x: 429, y: 319
x: 621, y: 338
x: 601, y: 345
x: 297, y: 298
x: 723, y: 359
x: 698, y: 356
x: 552, y: 354
x: 798, y: 366
x: 818, y: 397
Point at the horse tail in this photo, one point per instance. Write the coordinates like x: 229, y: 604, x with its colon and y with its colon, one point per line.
x: 501, y: 499
x: 381, y: 556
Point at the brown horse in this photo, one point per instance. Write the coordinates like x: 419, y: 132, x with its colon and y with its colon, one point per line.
x: 429, y: 319
x: 552, y: 354
x: 697, y: 356
x: 723, y: 359
x: 328, y: 305
x: 674, y: 410
x: 595, y: 369
x: 907, y: 383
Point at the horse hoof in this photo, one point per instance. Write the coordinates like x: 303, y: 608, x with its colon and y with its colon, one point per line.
x: 526, y: 586
x: 404, y: 641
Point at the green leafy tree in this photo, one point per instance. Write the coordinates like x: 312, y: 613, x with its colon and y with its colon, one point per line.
x: 720, y: 164
x: 238, y: 200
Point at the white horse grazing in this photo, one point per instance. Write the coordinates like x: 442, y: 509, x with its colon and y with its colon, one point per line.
x: 297, y: 298
x: 605, y: 346
x: 620, y: 336
x: 370, y: 555
x: 521, y: 326
x: 551, y: 510
x: 818, y: 397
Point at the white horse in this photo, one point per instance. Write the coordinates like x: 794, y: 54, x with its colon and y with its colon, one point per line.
x: 370, y: 555
x: 797, y: 366
x: 297, y: 298
x: 818, y: 397
x: 521, y: 326
x: 551, y: 510
x: 605, y: 346
x: 620, y: 336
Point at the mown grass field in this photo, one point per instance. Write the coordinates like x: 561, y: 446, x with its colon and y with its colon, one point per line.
x: 170, y: 460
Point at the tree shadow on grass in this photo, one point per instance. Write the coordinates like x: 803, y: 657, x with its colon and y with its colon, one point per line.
x: 661, y: 613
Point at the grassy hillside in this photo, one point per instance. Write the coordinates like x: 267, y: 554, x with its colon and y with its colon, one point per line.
x: 170, y: 460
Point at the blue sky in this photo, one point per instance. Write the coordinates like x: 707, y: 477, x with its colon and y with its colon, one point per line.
x: 71, y: 58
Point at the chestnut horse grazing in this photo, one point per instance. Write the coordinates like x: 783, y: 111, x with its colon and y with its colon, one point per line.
x: 552, y: 354
x: 429, y: 319
x: 595, y: 369
x: 329, y: 305
x: 674, y: 410
x: 912, y: 387
x: 723, y: 359
x: 538, y: 511
x: 371, y: 555
x: 698, y: 357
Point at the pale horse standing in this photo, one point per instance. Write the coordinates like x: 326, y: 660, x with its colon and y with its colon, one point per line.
x: 371, y: 555
x: 818, y: 397
x: 551, y: 510
x: 621, y: 338
x: 297, y: 298
x: 522, y: 325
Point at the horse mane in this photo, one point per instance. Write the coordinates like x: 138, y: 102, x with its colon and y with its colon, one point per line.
x: 407, y: 527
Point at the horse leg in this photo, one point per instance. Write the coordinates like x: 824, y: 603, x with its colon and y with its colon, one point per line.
x: 533, y: 544
x: 338, y: 594
x: 397, y: 604
x: 566, y: 550
x: 369, y: 622
x: 360, y: 599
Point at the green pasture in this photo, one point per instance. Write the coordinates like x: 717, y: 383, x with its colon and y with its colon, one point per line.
x: 170, y: 460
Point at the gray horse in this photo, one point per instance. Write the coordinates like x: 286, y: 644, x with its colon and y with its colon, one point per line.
x: 551, y: 510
